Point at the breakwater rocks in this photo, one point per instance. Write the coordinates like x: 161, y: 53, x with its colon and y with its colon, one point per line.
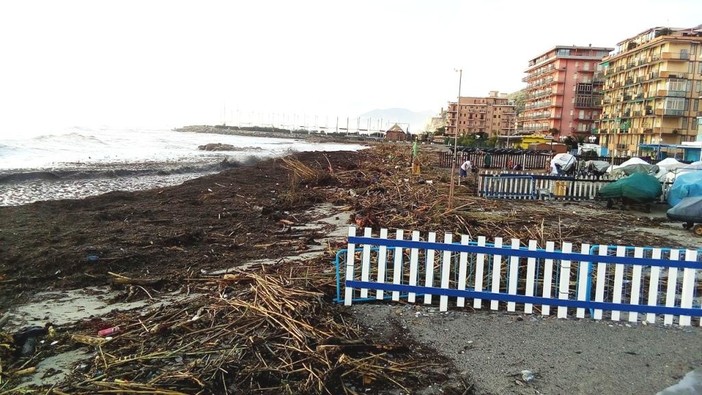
x: 245, y: 131
x: 260, y: 131
x: 225, y: 147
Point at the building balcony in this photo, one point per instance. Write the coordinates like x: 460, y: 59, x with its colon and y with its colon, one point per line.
x: 662, y: 130
x: 674, y: 74
x: 675, y: 56
x: 667, y: 112
x: 671, y: 93
x: 586, y: 103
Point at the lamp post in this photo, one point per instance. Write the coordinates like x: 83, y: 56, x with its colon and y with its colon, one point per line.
x: 455, y: 140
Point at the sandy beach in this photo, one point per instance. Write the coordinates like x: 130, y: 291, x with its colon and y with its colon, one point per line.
x: 283, y: 220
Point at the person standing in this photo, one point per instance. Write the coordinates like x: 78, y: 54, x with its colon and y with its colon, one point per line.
x: 465, y: 168
x: 488, y: 160
x: 415, y: 157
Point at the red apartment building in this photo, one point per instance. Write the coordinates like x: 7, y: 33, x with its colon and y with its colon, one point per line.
x: 563, y: 91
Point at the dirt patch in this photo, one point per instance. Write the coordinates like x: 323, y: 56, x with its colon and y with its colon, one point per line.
x: 564, y: 356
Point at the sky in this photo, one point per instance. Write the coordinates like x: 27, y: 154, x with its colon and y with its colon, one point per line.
x: 169, y: 63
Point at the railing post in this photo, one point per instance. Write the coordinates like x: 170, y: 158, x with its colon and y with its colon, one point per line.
x: 351, y: 252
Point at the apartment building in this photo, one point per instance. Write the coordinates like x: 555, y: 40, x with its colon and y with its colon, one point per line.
x: 652, y: 90
x: 563, y: 92
x: 494, y: 115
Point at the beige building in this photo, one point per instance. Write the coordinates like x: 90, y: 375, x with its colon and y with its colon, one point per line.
x: 652, y: 90
x: 563, y: 92
x: 494, y: 115
x: 438, y: 122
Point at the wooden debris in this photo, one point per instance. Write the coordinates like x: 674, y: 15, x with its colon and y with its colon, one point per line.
x: 123, y: 280
x: 248, y: 333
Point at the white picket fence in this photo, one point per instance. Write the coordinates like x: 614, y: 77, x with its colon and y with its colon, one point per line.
x: 511, y: 185
x: 599, y: 281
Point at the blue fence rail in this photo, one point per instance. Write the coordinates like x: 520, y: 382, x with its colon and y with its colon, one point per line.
x: 598, y: 281
x: 520, y: 185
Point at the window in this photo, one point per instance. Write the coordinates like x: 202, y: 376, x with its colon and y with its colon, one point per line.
x: 678, y: 85
x: 674, y: 103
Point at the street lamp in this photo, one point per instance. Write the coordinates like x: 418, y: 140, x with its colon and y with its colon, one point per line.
x: 455, y: 140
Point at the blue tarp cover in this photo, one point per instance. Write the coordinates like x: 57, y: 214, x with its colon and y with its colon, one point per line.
x: 685, y: 185
x: 688, y: 210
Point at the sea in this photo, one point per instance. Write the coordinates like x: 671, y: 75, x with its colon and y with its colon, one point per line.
x: 74, y: 163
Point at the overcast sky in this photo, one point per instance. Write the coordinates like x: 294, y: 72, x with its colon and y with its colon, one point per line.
x: 169, y: 63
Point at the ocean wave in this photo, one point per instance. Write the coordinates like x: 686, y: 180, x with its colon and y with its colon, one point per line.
x: 72, y: 137
x: 131, y: 170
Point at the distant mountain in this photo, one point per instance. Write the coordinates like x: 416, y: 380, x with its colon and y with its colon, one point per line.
x: 416, y: 120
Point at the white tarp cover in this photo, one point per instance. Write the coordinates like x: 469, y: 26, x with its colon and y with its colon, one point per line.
x: 693, y: 166
x: 633, y: 161
x: 671, y: 164
x: 562, y: 161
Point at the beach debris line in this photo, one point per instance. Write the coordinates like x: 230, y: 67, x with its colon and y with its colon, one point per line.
x: 249, y: 332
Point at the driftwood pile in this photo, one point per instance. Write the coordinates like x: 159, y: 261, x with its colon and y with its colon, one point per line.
x: 245, y: 332
x: 383, y: 193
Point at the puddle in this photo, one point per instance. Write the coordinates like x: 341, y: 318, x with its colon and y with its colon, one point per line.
x: 326, y: 218
x: 68, y: 306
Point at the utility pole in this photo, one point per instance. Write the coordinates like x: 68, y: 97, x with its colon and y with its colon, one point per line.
x: 455, y: 141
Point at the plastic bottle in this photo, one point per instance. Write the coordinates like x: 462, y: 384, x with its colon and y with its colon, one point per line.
x: 109, y: 331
